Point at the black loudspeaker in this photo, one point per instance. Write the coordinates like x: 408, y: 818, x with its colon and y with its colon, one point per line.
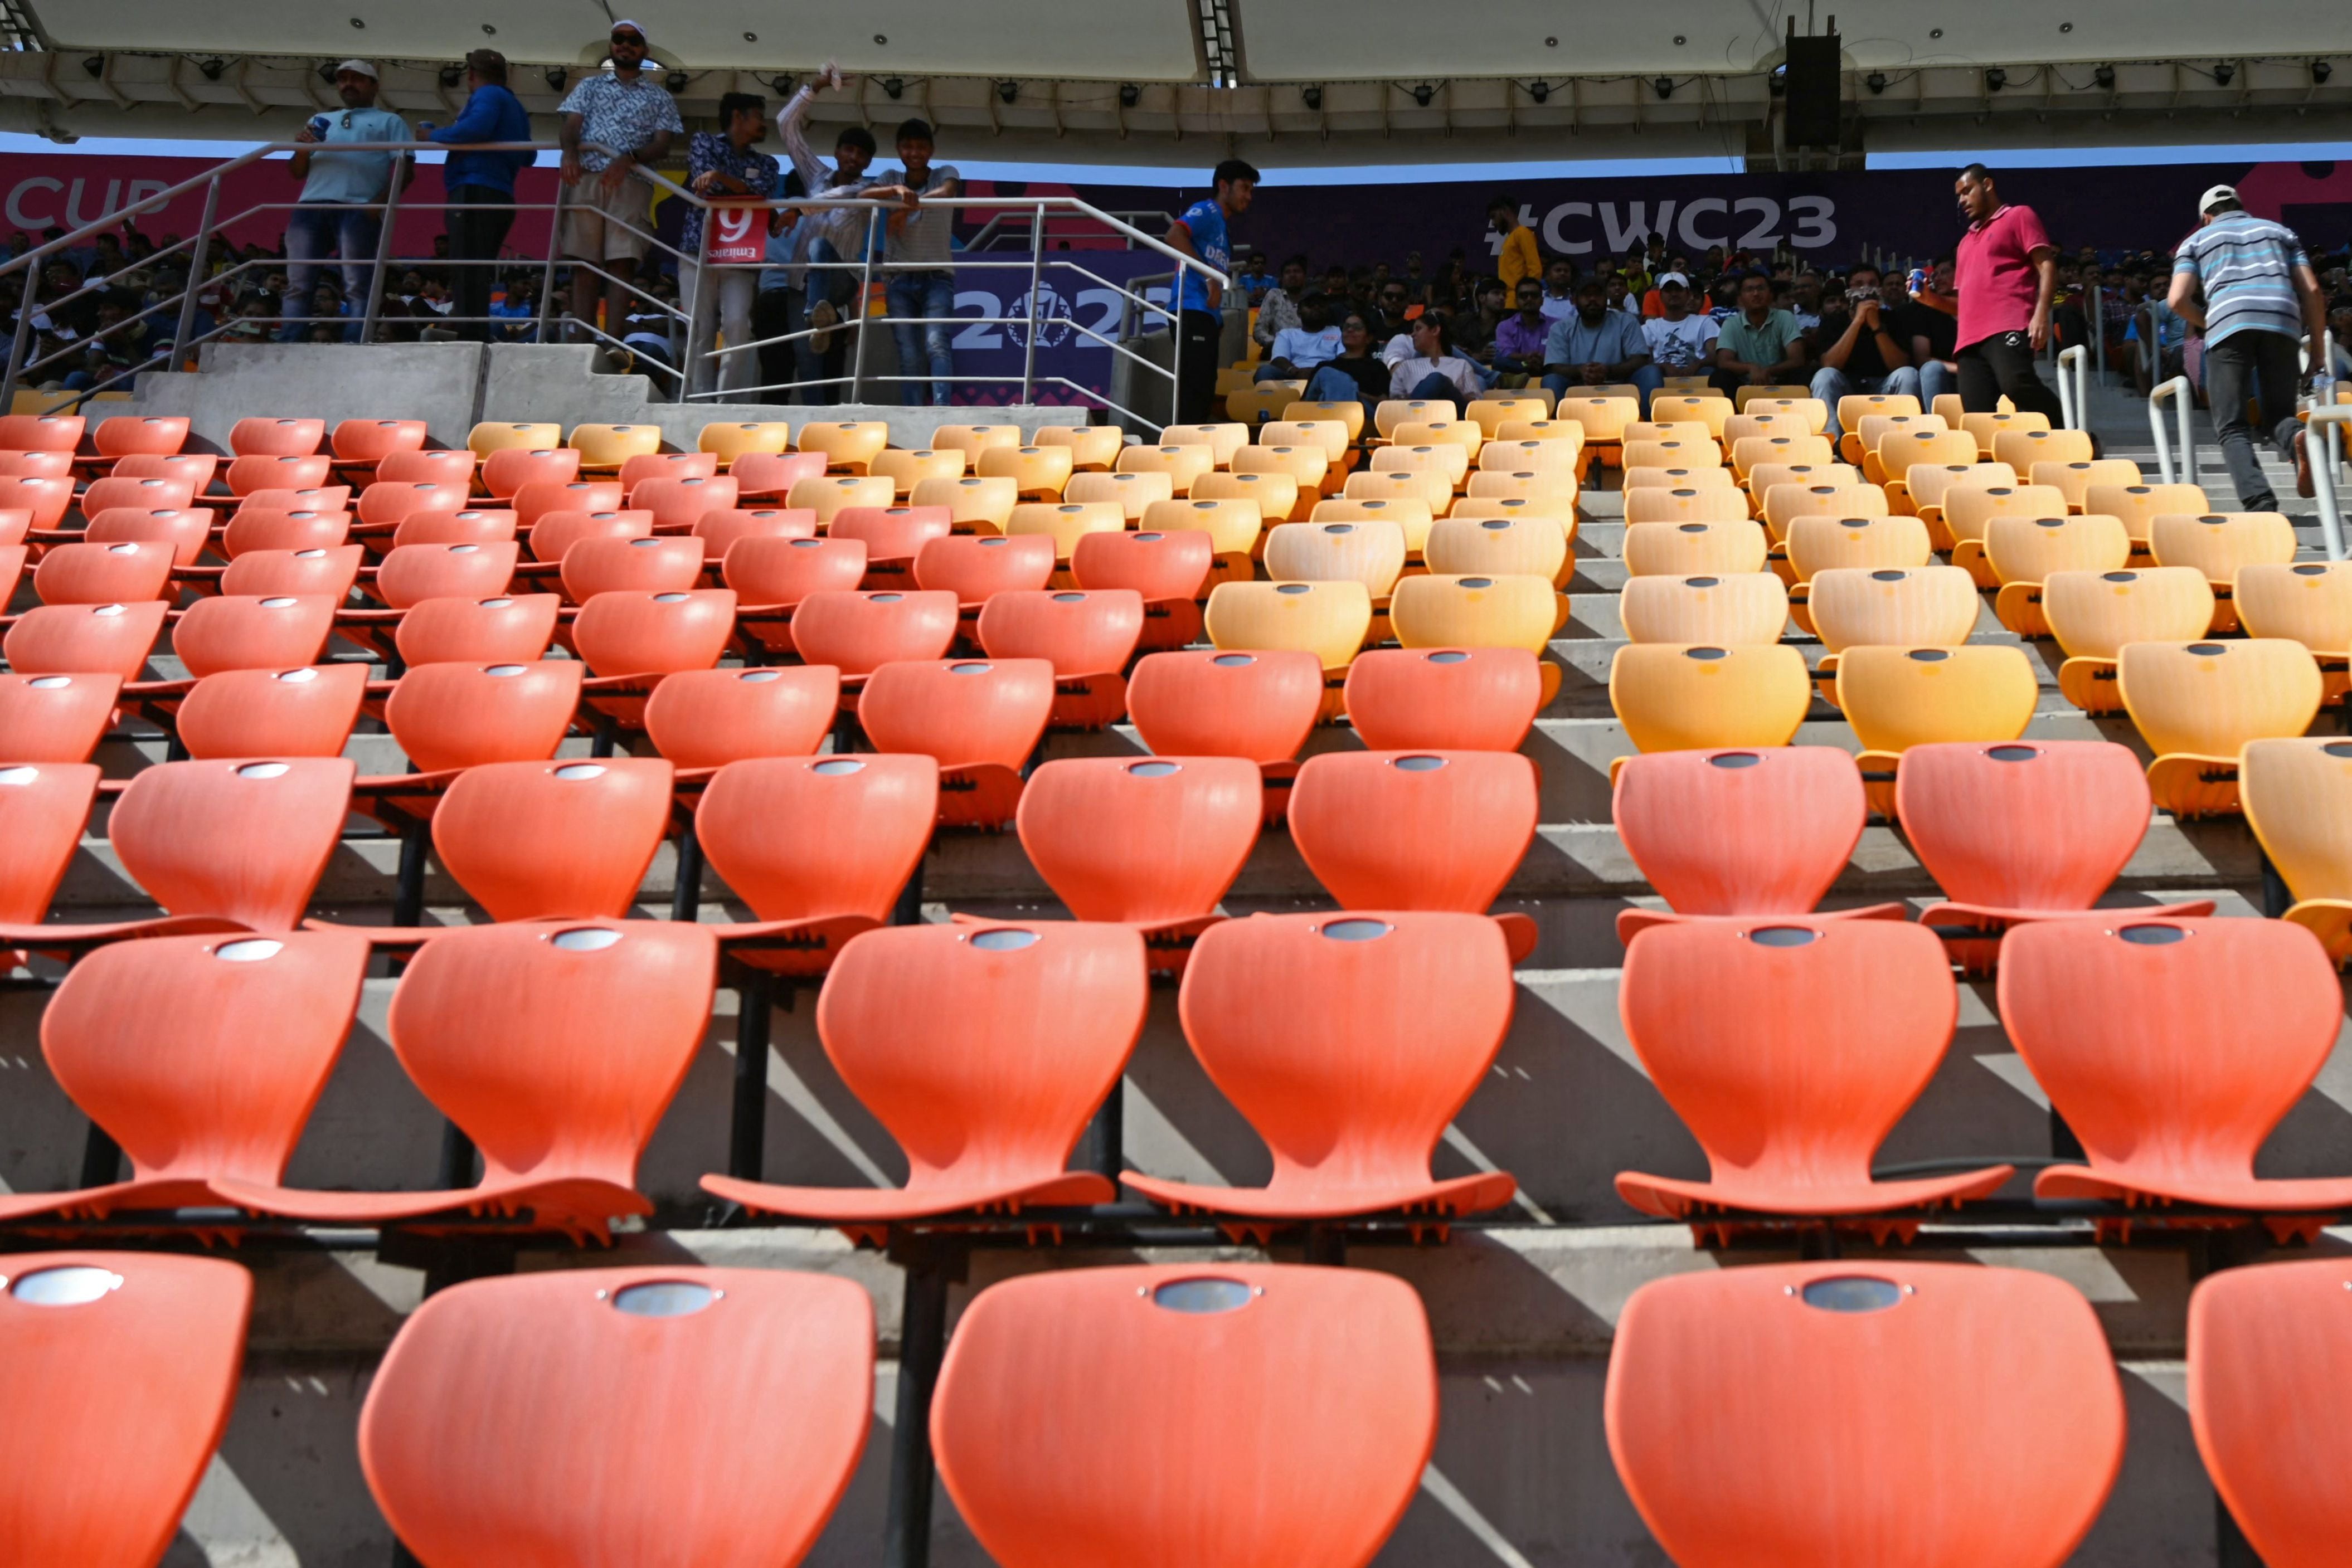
x: 1815, y: 83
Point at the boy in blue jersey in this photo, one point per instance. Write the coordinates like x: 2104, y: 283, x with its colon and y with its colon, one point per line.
x: 1202, y: 232
x: 2260, y: 294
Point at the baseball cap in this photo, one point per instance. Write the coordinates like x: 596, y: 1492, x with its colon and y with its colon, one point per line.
x: 358, y: 68
x: 2219, y: 194
x: 637, y: 28
x: 1666, y: 277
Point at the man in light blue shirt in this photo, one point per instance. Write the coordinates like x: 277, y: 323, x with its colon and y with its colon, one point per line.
x: 1597, y: 346
x: 2260, y: 296
x: 340, y: 216
x: 1296, y: 350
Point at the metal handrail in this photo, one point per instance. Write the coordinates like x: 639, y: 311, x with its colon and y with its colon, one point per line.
x: 2177, y: 387
x: 2326, y: 423
x: 2074, y: 387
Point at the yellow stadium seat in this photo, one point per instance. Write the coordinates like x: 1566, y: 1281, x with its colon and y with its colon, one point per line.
x: 906, y: 469
x: 1669, y: 430
x: 1674, y: 697
x: 1985, y: 428
x: 1914, y: 607
x: 1900, y: 449
x: 1783, y: 393
x: 1329, y: 620
x: 1924, y: 490
x: 1736, y: 610
x: 2310, y: 601
x: 1255, y: 405
x: 1394, y: 412
x: 1037, y: 472
x: 1690, y: 386
x: 1349, y: 414
x: 1758, y: 449
x: 1491, y: 413
x: 730, y: 438
x: 1276, y: 495
x: 1432, y: 611
x: 1808, y: 410
x: 1968, y: 510
x: 1671, y: 454
x: 2221, y: 545
x: 1946, y: 407
x: 1604, y: 419
x: 500, y: 435
x: 1371, y: 552
x: 1709, y: 409
x: 1693, y: 549
x: 1855, y: 407
x: 1474, y: 507
x: 1307, y: 466
x: 1769, y: 418
x: 1532, y: 457
x: 1394, y: 485
x: 1566, y: 430
x: 1898, y: 698
x: 2024, y: 551
x: 1233, y: 524
x: 1501, y: 546
x: 1132, y: 492
x: 2197, y: 704
x: 2138, y: 506
x: 1182, y: 465
x: 976, y: 506
x: 2297, y: 796
x: 1462, y: 432
x: 1829, y: 543
x: 1555, y: 487
x: 975, y: 439
x: 1065, y: 522
x: 848, y: 445
x: 1863, y: 436
x: 829, y: 493
x: 1224, y: 440
x: 1330, y: 435
x: 1447, y: 458
x: 1675, y: 478
x: 1093, y: 447
x: 1781, y: 503
x: 1689, y: 503
x: 603, y: 448
x: 2095, y: 614
x: 1532, y: 393
x: 2021, y: 449
x: 2075, y: 479
x: 1413, y: 517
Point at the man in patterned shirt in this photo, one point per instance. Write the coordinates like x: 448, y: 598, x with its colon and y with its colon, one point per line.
x: 608, y: 219
x: 720, y: 164
x: 833, y: 234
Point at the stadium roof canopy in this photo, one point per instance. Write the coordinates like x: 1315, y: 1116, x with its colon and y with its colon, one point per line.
x: 1283, y: 81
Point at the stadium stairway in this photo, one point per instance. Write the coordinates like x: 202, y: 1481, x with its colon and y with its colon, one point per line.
x: 1523, y: 1309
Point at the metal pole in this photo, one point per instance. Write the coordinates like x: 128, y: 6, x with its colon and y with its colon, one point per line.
x: 383, y: 250
x: 865, y: 287
x: 2325, y: 422
x: 547, y: 278
x: 748, y: 1123
x: 922, y: 1345
x: 2177, y: 387
x: 697, y: 340
x: 196, y: 276
x: 1036, y: 278
x: 23, y: 327
x: 1176, y: 347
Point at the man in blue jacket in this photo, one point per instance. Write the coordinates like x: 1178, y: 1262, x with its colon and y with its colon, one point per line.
x: 480, y: 186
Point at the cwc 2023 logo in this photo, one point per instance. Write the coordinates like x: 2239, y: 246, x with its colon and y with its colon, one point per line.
x: 1051, y: 315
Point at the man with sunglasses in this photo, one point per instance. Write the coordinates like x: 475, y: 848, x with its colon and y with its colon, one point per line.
x: 340, y: 213
x: 608, y: 219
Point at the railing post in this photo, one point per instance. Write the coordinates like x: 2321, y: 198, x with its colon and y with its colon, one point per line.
x: 865, y: 287
x: 547, y: 278
x: 2177, y: 387
x: 196, y: 257
x: 697, y: 341
x: 2325, y: 422
x: 1036, y: 281
x: 25, y: 303
x: 2073, y: 389
x: 382, y: 249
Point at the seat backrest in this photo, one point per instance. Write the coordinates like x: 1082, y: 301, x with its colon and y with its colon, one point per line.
x: 249, y: 475
x: 641, y: 468
x: 891, y: 533
x: 1924, y: 606
x: 2094, y: 614
x: 555, y: 533
x: 720, y: 530
x: 2140, y: 505
x: 465, y: 715
x: 786, y: 569
x: 2297, y: 795
x: 505, y: 629
x: 538, y: 497
x: 1687, y: 503
x: 549, y: 839
x: 669, y: 565
x: 1737, y: 608
x: 678, y: 501
x: 246, y: 841
x: 253, y: 631
x: 490, y: 437
x: 2171, y: 1047
x: 133, y: 1360
x: 1788, y: 1044
x: 1968, y: 511
x: 2075, y: 480
x: 1350, y: 1042
x: 1824, y: 542
x: 726, y: 1408
x: 1118, y: 1374
x: 440, y: 466
x: 261, y: 436
x: 506, y: 470
x: 974, y: 567
x: 2030, y: 549
x: 187, y: 529
x: 293, y: 527
x: 413, y: 573
x: 1762, y: 831
x: 1885, y: 1412
x: 860, y: 827
x: 318, y: 571
x: 54, y: 718
x: 1414, y: 830
x: 2208, y: 699
x: 370, y: 440
x: 1203, y: 702
x: 1679, y: 550
x: 984, y: 1047
x: 1081, y: 632
x: 2269, y: 1370
x: 1672, y: 697
x: 1370, y: 552
x: 1513, y: 544
x: 1133, y: 492
x: 1067, y: 522
x: 708, y: 718
x: 1898, y: 698
x: 2222, y: 544
x: 556, y: 1046
x: 1159, y: 566
x: 2310, y: 601
x: 201, y: 1056
x: 637, y: 633
x: 42, y: 808
x: 1435, y: 611
x: 961, y: 712
x: 146, y: 495
x: 85, y: 639
x: 1447, y: 699
x: 1143, y: 839
x: 306, y: 711
x: 473, y: 526
x: 84, y: 573
x: 2025, y: 824
x: 861, y: 631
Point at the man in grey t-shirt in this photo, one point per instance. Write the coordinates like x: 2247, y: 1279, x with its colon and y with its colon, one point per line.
x: 921, y: 290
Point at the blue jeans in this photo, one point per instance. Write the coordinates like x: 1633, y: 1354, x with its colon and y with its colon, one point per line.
x: 1646, y: 380
x: 1830, y: 383
x: 1935, y: 381
x: 920, y: 294
x: 313, y: 233
x: 1434, y: 388
x: 1327, y: 385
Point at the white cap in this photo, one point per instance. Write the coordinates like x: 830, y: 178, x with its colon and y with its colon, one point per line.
x: 637, y: 28
x: 2206, y: 202
x: 1666, y: 277
x: 357, y: 68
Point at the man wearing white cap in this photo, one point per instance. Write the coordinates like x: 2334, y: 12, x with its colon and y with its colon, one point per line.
x: 608, y: 219
x: 340, y: 214
x: 2260, y: 297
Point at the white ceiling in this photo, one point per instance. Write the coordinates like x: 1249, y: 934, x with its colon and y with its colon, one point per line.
x: 1280, y: 40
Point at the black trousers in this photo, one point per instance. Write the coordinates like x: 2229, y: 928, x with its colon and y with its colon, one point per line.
x: 2002, y: 365
x: 1198, y: 332
x: 775, y: 311
x: 476, y: 237
x: 2263, y: 366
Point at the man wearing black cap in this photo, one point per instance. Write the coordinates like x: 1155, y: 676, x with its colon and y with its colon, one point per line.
x: 613, y: 122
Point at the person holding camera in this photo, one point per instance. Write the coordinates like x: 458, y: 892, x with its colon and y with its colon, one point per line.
x: 1860, y: 353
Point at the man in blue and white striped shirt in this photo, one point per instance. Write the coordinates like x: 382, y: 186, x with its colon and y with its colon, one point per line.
x: 2260, y: 297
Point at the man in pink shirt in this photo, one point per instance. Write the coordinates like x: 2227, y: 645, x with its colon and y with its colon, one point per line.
x: 2007, y: 271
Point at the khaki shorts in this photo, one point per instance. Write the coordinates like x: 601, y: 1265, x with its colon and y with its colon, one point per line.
x: 601, y: 224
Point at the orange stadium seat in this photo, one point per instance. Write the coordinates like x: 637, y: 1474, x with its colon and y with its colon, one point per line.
x: 1170, y: 570
x: 259, y: 436
x: 2267, y: 1375
x: 54, y: 718
x: 1447, y: 699
x: 980, y: 719
x: 307, y: 711
x: 705, y: 719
